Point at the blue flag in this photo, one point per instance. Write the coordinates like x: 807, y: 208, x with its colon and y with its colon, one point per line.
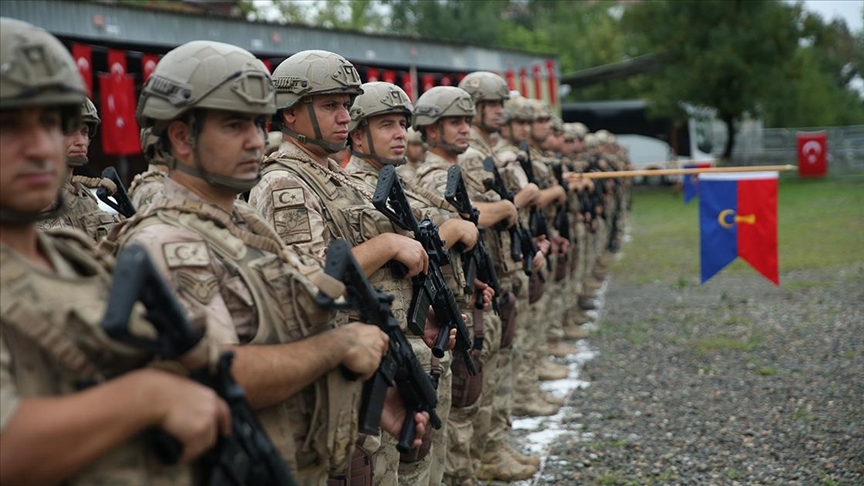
x: 691, y: 181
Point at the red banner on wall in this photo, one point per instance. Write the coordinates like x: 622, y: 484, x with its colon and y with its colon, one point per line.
x: 538, y: 82
x: 268, y: 65
x: 389, y: 77
x: 371, y: 75
x: 408, y: 85
x: 523, y: 81
x: 428, y: 82
x: 812, y: 154
x: 120, y: 133
x: 83, y: 55
x: 511, y: 79
x: 148, y: 64
x: 446, y: 81
x: 117, y: 62
x: 553, y: 86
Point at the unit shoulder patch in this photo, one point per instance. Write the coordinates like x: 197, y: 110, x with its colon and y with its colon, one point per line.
x: 186, y: 254
x: 287, y: 198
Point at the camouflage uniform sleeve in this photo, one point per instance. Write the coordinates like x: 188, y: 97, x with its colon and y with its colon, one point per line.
x: 197, y: 275
x: 434, y: 180
x: 474, y: 174
x: 294, y: 210
x: 8, y: 391
x: 511, y: 171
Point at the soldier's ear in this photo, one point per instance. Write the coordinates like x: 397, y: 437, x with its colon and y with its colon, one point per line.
x: 289, y: 116
x: 357, y: 137
x: 180, y: 136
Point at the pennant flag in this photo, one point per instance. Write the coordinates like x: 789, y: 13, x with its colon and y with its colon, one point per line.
x: 446, y: 81
x: 428, y: 81
x: 148, y: 64
x: 523, y: 81
x: 691, y: 181
x: 511, y: 79
x: 408, y: 85
x: 538, y: 82
x: 371, y: 75
x: 83, y: 55
x: 267, y: 64
x: 389, y: 76
x: 120, y: 133
x: 738, y: 217
x: 553, y: 84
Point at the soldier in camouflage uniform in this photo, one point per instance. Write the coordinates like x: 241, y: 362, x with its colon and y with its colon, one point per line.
x: 530, y: 346
x: 499, y: 460
x: 230, y: 265
x: 53, y: 289
x: 414, y: 156
x: 146, y: 185
x: 310, y: 200
x: 379, y: 118
x: 443, y: 117
x: 80, y: 208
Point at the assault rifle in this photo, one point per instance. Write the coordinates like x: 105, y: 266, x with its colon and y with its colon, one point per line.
x: 518, y: 235
x: 246, y: 457
x: 562, y: 221
x: 537, y: 222
x: 477, y: 263
x: 120, y: 202
x: 399, y: 366
x: 429, y: 289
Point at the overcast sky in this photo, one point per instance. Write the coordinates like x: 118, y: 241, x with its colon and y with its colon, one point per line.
x: 848, y: 10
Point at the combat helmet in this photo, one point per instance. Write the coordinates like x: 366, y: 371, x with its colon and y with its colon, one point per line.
x: 310, y: 73
x: 204, y: 75
x: 37, y: 70
x: 442, y: 102
x: 378, y: 98
x: 90, y: 119
x: 485, y: 86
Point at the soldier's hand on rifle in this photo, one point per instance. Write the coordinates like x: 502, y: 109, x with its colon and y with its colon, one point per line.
x: 409, y: 252
x: 366, y: 345
x: 456, y: 230
x: 430, y: 334
x: 488, y: 294
x: 560, y: 245
x: 393, y: 416
x: 191, y: 413
x: 526, y: 195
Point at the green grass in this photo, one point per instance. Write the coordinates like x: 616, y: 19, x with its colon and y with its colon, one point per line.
x: 711, y: 344
x: 767, y: 371
x: 821, y: 223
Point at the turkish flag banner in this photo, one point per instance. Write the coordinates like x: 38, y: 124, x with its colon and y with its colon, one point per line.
x: 267, y: 64
x: 446, y: 81
x: 510, y: 76
x: 117, y: 62
x: 523, y: 81
x: 372, y: 75
x: 120, y: 133
x: 812, y: 154
x: 428, y: 82
x: 83, y: 55
x: 538, y: 82
x: 408, y: 85
x: 389, y: 77
x: 148, y: 64
x: 553, y: 85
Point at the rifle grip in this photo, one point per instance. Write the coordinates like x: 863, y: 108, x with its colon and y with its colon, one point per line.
x: 168, y: 449
x: 408, y: 433
x: 441, y: 342
x: 372, y: 404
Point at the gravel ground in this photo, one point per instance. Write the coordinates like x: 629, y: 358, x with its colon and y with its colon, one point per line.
x: 734, y: 382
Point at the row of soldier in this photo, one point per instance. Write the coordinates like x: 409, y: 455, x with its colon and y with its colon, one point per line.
x: 242, y: 244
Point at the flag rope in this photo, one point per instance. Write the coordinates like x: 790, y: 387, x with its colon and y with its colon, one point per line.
x: 575, y: 176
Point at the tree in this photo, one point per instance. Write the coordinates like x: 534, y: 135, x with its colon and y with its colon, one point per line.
x: 720, y: 54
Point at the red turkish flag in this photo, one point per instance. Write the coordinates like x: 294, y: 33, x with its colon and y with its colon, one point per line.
x: 148, y: 64
x: 117, y: 62
x: 120, y: 133
x: 389, y: 77
x: 408, y: 85
x: 812, y: 151
x: 538, y: 82
x: 372, y: 75
x: 446, y: 81
x: 511, y: 79
x: 267, y: 64
x: 523, y: 81
x: 83, y: 55
x: 553, y: 86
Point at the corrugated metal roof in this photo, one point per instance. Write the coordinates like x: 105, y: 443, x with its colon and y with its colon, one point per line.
x: 165, y: 29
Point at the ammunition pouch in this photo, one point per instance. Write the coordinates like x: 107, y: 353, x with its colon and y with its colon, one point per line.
x: 508, y: 319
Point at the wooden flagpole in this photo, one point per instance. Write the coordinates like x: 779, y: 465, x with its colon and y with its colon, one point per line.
x: 662, y: 172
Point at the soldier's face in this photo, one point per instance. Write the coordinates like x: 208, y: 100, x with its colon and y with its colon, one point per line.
x: 456, y: 130
x: 491, y: 111
x: 332, y: 114
x: 77, y: 146
x: 416, y: 152
x: 520, y: 130
x: 540, y: 128
x: 32, y: 158
x: 232, y: 144
x: 389, y: 133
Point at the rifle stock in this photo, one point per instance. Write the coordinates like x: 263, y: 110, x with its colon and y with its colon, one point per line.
x: 120, y: 202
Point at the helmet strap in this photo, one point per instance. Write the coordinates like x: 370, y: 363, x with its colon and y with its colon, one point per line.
x: 482, y: 120
x: 372, y: 155
x: 329, y: 147
x: 439, y: 126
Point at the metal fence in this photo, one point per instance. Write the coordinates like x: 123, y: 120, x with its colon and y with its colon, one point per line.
x: 755, y: 145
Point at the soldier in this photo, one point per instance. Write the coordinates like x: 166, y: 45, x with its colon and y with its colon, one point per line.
x: 77, y: 206
x: 379, y: 118
x: 414, y: 156
x: 53, y: 288
x: 310, y: 200
x: 499, y: 460
x: 443, y: 117
x: 530, y: 347
x: 230, y: 265
x: 146, y: 185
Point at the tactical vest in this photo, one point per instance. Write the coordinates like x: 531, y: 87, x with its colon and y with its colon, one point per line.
x: 51, y: 326
x: 317, y: 427
x: 145, y: 186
